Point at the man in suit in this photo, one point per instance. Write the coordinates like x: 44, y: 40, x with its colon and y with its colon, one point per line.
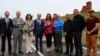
x: 7, y: 27
x: 0, y: 26
x: 38, y: 31
x: 18, y: 33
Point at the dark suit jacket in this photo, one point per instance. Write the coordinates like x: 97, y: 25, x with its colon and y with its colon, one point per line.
x: 38, y: 29
x: 5, y: 29
x: 67, y: 26
x: 0, y: 27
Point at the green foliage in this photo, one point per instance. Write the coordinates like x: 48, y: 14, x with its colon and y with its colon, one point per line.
x: 86, y: 15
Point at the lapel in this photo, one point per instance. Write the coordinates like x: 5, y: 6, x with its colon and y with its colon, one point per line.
x: 38, y: 22
x: 6, y: 23
x: 15, y: 19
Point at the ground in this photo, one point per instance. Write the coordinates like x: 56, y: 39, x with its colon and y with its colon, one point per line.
x: 45, y: 52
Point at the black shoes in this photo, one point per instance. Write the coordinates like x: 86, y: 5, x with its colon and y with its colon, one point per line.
x: 20, y: 52
x: 41, y: 51
x: 76, y: 55
x: 14, y: 54
x: 60, y: 51
x: 56, y: 50
x: 79, y: 54
x: 66, y: 53
x: 71, y: 54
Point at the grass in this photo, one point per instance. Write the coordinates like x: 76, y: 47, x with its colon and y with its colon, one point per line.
x: 86, y: 15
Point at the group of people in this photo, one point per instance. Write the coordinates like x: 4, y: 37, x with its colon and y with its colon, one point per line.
x: 52, y: 27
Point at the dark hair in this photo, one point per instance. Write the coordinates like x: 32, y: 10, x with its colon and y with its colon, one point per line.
x: 55, y: 14
x: 92, y: 11
x: 50, y: 18
x: 28, y: 15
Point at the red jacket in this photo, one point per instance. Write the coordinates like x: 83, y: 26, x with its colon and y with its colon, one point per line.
x: 48, y: 26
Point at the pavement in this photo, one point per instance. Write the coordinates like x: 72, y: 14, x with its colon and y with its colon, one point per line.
x: 53, y: 53
x: 45, y: 53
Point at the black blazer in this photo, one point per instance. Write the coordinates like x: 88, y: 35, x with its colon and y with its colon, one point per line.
x: 0, y: 27
x: 5, y: 29
x: 38, y: 29
x: 67, y: 26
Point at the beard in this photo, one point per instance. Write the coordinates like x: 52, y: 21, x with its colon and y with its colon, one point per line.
x: 91, y: 15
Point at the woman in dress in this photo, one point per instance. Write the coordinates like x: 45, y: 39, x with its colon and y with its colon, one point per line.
x: 29, y: 26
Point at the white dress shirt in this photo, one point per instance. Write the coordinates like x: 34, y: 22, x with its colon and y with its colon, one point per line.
x: 7, y: 20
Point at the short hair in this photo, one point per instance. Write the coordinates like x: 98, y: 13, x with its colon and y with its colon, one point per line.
x: 76, y: 10
x: 55, y: 14
x: 28, y: 15
x: 6, y: 11
x: 92, y: 11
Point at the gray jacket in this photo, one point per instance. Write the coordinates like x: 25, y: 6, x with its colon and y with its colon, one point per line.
x: 18, y: 25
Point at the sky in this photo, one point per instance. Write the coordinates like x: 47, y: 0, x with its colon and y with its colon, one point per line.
x: 33, y: 7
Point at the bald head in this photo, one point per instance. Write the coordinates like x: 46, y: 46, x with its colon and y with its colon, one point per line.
x: 7, y: 14
x: 76, y: 12
x: 18, y: 14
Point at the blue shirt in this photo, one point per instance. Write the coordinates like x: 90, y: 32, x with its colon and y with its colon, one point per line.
x: 39, y: 21
x: 58, y: 25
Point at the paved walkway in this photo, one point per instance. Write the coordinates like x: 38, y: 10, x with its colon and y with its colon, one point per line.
x: 45, y: 52
x: 50, y: 53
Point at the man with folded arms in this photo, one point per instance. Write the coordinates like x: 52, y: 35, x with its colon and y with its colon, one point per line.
x: 18, y: 33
